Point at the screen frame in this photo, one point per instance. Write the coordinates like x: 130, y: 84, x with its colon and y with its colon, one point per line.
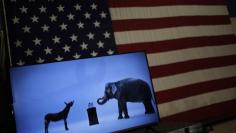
x: 151, y: 89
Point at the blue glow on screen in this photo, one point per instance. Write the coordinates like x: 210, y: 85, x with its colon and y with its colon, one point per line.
x: 41, y: 89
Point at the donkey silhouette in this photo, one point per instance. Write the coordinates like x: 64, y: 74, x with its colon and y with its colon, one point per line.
x: 62, y: 115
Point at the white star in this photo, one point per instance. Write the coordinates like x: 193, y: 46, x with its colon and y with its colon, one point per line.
x: 66, y: 48
x: 103, y: 15
x: 73, y: 38
x: 76, y: 56
x: 18, y: 43
x: 53, y: 18
x: 23, y: 9
x: 45, y: 28
x: 60, y: 8
x: 35, y: 19
x: 20, y: 63
x: 37, y: 41
x: 77, y: 7
x: 110, y: 52
x: 70, y: 16
x: 59, y: 58
x: 90, y: 36
x: 100, y: 44
x: 107, y: 34
x: 84, y: 46
x: 63, y: 26
x: 94, y: 54
x: 96, y: 24
x: 87, y: 15
x: 26, y: 29
x: 56, y: 39
x: 80, y: 25
x: 94, y: 6
x: 48, y: 50
x: 28, y: 52
x: 15, y: 20
x: 40, y: 60
x: 42, y: 9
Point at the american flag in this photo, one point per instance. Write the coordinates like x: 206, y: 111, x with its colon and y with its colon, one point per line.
x: 189, y: 43
x: 42, y: 31
x: 191, y: 51
x: 232, y: 13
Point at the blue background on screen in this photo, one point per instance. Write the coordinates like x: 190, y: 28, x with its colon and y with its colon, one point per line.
x: 41, y: 89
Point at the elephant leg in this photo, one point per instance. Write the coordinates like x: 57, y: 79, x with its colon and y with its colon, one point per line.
x: 148, y: 107
x: 151, y: 109
x: 126, y: 110
x: 65, y: 123
x: 123, y: 107
x: 120, y: 110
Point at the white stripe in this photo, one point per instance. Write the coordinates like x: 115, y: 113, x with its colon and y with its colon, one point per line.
x: 197, y: 101
x: 178, y: 80
x: 156, y: 59
x: 171, y: 33
x: 233, y: 21
x: 166, y: 11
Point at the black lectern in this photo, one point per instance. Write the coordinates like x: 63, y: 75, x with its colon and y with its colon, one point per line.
x: 92, y: 115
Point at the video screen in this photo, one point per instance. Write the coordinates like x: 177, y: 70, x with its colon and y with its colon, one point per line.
x: 102, y: 94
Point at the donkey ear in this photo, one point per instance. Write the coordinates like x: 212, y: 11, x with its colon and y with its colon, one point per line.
x: 65, y: 103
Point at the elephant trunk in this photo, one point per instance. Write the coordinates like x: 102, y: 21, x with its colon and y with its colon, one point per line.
x: 102, y: 100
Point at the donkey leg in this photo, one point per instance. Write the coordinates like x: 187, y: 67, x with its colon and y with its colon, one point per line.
x: 65, y: 123
x: 46, y: 123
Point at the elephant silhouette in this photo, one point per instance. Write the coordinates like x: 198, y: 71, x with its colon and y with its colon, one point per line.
x: 128, y: 90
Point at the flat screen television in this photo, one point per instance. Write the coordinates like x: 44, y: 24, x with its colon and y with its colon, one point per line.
x: 102, y: 94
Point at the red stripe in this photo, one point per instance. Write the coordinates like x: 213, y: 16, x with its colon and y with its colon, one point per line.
x: 148, y: 3
x: 144, y: 24
x: 195, y: 89
x: 175, y: 44
x: 187, y: 66
x: 209, y: 113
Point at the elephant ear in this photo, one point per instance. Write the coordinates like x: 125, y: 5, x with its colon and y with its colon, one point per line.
x: 108, y: 87
x: 113, y: 89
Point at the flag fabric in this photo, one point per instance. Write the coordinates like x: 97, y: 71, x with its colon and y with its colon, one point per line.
x: 190, y: 45
x: 42, y: 31
x: 232, y: 12
x: 191, y: 51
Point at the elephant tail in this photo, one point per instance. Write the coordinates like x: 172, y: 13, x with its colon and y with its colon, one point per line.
x: 153, y: 100
x: 154, y: 103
